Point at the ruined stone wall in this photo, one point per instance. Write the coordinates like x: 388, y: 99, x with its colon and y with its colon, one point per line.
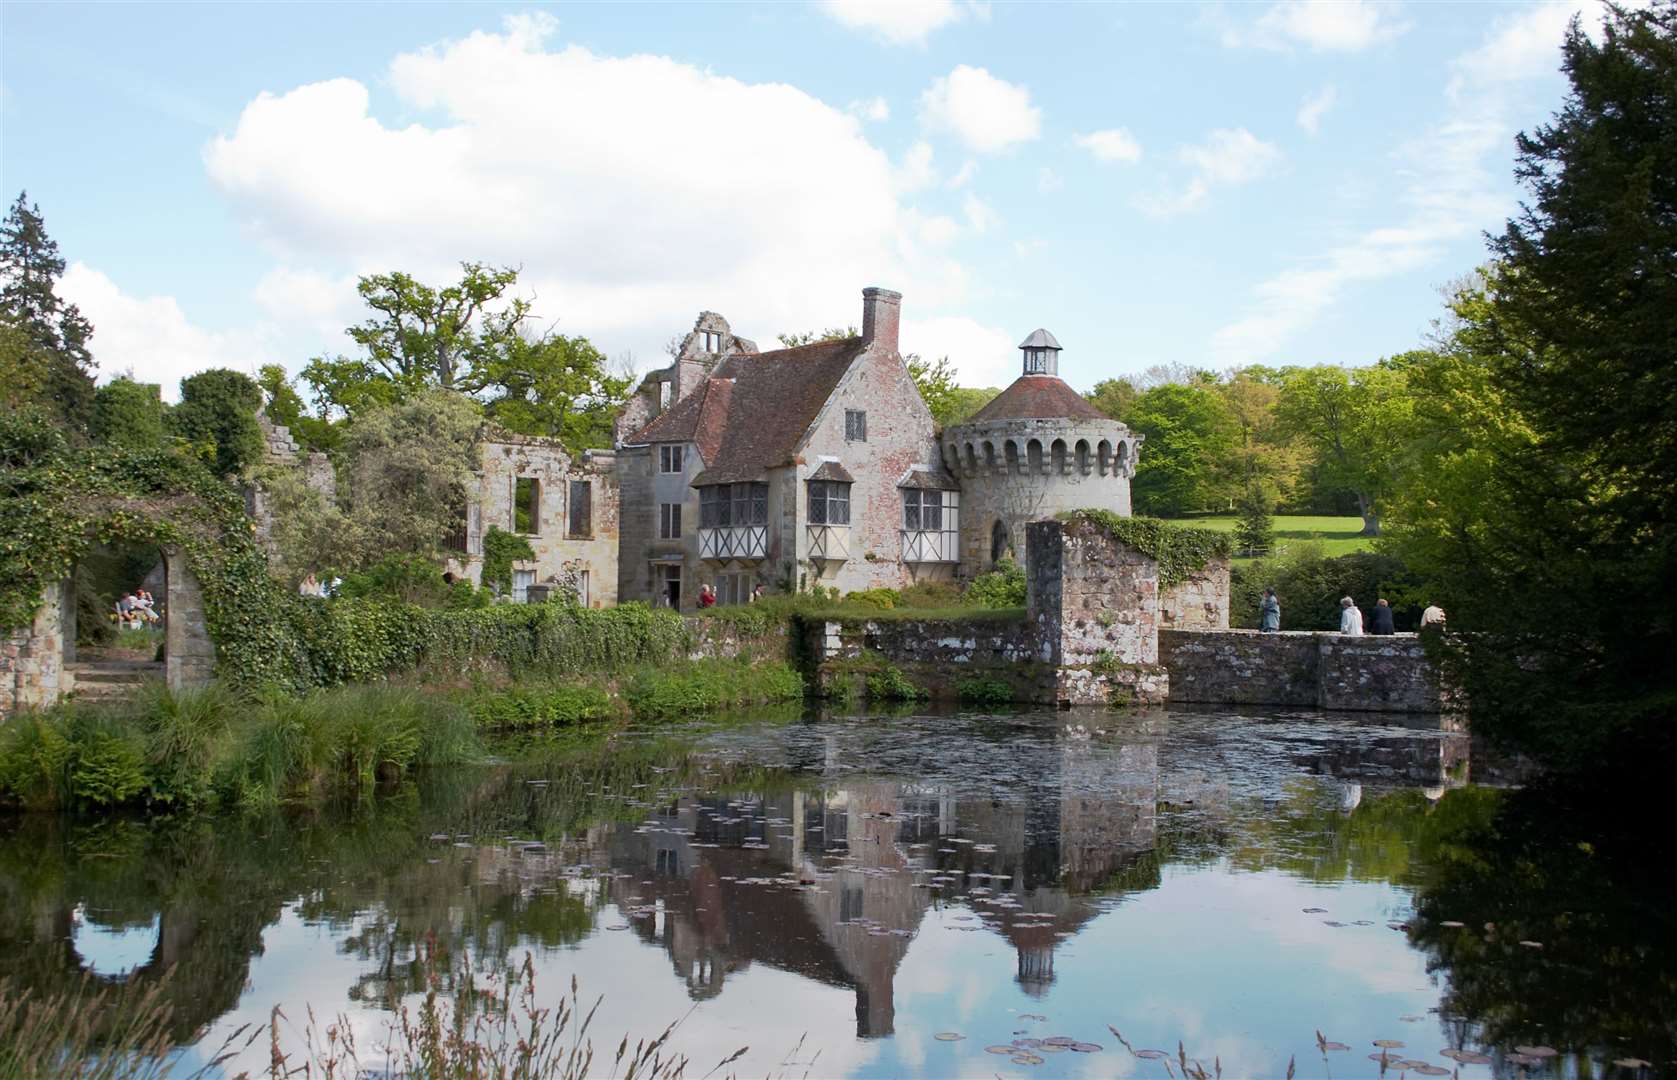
x: 900, y: 433
x: 1095, y: 601
x: 1302, y: 669
x: 188, y: 652
x: 1019, y: 471
x: 32, y: 671
x: 637, y: 523
x: 936, y: 655
x: 1199, y: 603
x: 560, y: 555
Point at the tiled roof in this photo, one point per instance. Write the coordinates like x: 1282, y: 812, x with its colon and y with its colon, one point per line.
x: 928, y: 480
x: 832, y: 470
x: 697, y: 418
x: 1038, y: 397
x: 775, y: 397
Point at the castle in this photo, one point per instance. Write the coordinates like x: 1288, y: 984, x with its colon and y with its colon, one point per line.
x: 814, y: 466
x: 811, y: 466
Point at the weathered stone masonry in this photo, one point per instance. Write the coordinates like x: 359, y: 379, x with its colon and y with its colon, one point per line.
x: 1308, y: 670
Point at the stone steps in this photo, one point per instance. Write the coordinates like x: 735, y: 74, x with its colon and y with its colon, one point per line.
x: 114, y: 679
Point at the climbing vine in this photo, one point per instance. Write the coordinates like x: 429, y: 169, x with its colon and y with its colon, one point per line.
x: 1178, y: 550
x: 500, y: 548
x: 57, y: 503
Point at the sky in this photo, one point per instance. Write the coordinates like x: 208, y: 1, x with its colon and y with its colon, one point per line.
x: 1212, y: 185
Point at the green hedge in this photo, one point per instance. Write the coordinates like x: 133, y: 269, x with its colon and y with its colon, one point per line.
x: 364, y: 640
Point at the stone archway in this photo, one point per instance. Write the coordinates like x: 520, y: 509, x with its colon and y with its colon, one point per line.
x: 34, y: 672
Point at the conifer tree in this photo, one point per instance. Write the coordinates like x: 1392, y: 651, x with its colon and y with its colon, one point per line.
x: 30, y: 267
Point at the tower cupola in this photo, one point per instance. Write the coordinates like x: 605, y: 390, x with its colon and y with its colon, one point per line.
x: 1042, y: 353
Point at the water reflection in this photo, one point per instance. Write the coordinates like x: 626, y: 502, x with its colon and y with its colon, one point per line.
x: 1059, y: 856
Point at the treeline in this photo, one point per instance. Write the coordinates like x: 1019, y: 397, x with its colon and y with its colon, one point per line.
x: 1259, y: 439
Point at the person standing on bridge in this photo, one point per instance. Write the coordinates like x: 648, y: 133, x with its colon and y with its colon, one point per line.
x: 1269, y: 613
x: 1382, y: 619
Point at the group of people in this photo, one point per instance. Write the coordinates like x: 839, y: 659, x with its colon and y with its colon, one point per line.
x: 1350, y: 616
x: 707, y: 595
x: 137, y: 609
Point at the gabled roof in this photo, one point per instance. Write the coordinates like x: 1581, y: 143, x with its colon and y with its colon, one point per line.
x: 698, y: 418
x: 774, y: 399
x: 1038, y: 397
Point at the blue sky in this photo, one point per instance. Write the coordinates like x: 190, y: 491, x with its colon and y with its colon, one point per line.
x: 1210, y: 185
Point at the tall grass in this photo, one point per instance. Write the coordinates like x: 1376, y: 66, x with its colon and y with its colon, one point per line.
x: 498, y: 1029
x: 707, y: 685
x: 208, y: 746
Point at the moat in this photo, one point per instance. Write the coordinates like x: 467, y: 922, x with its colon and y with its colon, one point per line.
x: 900, y: 895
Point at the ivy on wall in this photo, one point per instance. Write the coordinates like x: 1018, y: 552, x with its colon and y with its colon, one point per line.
x: 1179, y: 551
x: 57, y: 503
x: 500, y: 549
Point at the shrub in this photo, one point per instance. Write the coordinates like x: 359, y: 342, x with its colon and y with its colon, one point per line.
x: 890, y: 684
x: 560, y: 706
x: 1003, y: 587
x: 1310, y: 585
x: 884, y: 599
x: 707, y: 685
x: 984, y: 692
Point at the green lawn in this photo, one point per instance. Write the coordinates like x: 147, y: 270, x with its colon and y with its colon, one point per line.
x: 1339, y: 535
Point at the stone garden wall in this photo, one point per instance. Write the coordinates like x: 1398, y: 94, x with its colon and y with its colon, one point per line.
x: 936, y: 656
x: 32, y: 672
x: 1199, y: 603
x: 1308, y: 670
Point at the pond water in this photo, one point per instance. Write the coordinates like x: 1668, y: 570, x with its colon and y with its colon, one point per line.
x: 912, y: 895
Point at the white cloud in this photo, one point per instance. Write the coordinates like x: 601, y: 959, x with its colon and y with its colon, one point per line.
x: 1111, y: 144
x: 938, y: 230
x: 642, y: 190
x: 986, y: 113
x: 898, y: 22
x: 1449, y: 192
x: 961, y: 179
x: 1047, y: 180
x: 1315, y: 107
x: 317, y: 303
x: 916, y: 172
x: 151, y: 336
x: 1225, y: 158
x: 981, y: 216
x: 1318, y: 25
x: 876, y: 109
x: 1231, y: 156
x: 983, y: 355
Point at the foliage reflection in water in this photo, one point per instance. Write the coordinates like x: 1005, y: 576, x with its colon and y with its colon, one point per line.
x: 874, y: 889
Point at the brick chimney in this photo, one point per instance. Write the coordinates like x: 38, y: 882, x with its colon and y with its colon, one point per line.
x: 881, y: 309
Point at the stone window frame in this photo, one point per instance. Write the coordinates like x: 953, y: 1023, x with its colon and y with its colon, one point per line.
x: 856, y: 425
x: 582, y: 498
x: 533, y: 513
x: 829, y: 502
x: 669, y: 521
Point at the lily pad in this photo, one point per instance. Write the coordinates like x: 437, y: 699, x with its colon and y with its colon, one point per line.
x: 1334, y: 1046
x: 1315, y: 911
x: 1428, y: 1069
x: 1026, y: 1059
x: 998, y: 1049
x: 1389, y: 1044
x: 1151, y: 1055
x: 948, y: 1036
x: 1085, y: 1048
x: 1452, y: 924
x: 1632, y: 1063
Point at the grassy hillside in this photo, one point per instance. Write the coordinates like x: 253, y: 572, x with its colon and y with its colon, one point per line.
x: 1338, y: 535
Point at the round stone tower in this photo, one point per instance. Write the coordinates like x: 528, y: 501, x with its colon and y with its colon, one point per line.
x: 1038, y: 449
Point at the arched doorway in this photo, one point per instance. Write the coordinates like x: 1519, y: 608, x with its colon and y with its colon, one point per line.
x: 1001, y: 542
